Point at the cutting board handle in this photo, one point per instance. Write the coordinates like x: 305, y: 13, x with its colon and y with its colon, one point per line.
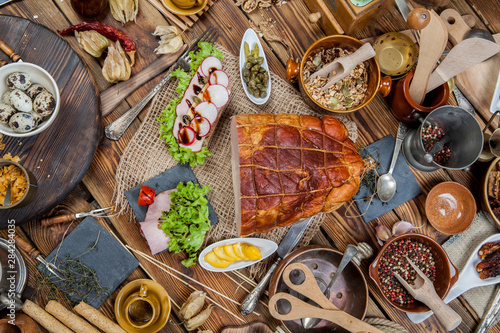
x: 455, y: 24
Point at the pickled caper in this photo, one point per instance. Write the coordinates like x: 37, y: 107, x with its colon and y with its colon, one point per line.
x: 247, y: 50
x: 255, y: 51
x: 260, y: 86
x: 196, y: 99
x: 252, y: 83
x: 255, y: 68
x: 246, y: 72
x: 266, y: 77
x: 246, y: 78
x: 260, y: 60
x: 256, y: 93
x: 262, y: 70
x: 253, y: 76
x: 263, y: 93
x: 251, y: 60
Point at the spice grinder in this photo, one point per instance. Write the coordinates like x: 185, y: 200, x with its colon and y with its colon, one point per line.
x: 448, y: 137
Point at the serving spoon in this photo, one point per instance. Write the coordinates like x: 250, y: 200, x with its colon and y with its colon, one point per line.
x: 386, y: 184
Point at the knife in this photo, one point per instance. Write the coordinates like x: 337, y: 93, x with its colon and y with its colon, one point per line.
x: 3, y: 2
x: 286, y: 246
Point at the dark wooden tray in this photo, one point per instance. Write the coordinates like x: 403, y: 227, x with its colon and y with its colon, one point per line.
x: 59, y: 156
x: 256, y: 327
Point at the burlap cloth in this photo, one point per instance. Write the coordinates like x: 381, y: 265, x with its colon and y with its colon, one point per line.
x: 147, y: 156
x: 459, y: 249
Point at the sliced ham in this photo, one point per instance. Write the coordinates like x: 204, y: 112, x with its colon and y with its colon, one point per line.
x: 195, y: 146
x: 155, y: 237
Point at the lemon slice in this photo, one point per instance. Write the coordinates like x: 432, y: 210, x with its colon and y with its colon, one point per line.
x: 229, y: 249
x: 219, y: 252
x: 215, y: 261
x: 251, y: 252
x: 238, y: 250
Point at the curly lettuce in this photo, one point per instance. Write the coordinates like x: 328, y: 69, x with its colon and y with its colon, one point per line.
x: 187, y: 220
x: 167, y: 117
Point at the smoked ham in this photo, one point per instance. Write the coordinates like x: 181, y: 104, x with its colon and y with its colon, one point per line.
x: 288, y: 167
x: 155, y: 237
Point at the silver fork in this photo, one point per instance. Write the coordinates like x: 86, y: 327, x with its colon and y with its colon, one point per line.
x: 116, y: 129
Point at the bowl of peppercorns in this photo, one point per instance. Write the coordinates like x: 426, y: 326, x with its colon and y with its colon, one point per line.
x: 427, y: 254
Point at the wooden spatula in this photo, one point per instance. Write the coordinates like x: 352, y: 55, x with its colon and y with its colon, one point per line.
x: 343, y: 66
x: 423, y: 290
x: 462, y: 57
x: 433, y: 39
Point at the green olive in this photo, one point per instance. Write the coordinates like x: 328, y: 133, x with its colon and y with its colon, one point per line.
x: 260, y: 86
x: 262, y: 70
x: 251, y: 59
x: 252, y: 83
x: 255, y: 68
x: 246, y: 78
x: 248, y: 65
x: 260, y: 60
x: 256, y: 93
x: 246, y: 72
x: 263, y: 93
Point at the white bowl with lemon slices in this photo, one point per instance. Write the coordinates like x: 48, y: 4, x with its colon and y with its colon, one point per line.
x: 231, y: 254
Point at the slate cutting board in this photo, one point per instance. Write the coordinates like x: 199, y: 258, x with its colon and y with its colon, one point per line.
x: 163, y: 182
x: 111, y: 262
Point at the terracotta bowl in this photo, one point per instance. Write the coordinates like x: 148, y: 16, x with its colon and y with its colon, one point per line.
x: 450, y: 208
x: 484, y: 192
x: 349, y: 293
x: 446, y: 272
x: 294, y: 69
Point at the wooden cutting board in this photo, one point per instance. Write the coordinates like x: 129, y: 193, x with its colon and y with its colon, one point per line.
x: 59, y: 156
x: 257, y: 327
x: 478, y: 82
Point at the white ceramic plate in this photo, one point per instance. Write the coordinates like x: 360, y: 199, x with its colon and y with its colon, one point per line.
x: 265, y: 246
x: 251, y: 38
x: 468, y: 279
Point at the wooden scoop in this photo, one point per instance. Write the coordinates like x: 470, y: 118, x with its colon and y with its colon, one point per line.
x: 433, y: 39
x: 423, y: 290
x: 343, y: 66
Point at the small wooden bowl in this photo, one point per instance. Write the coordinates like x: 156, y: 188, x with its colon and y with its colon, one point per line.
x: 485, y: 202
x: 446, y: 272
x: 450, y: 208
x: 293, y: 70
x: 349, y: 293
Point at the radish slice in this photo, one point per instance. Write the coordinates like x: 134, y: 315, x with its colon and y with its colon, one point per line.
x: 195, y: 147
x: 177, y: 127
x: 201, y: 126
x: 219, y: 77
x: 217, y: 94
x: 210, y: 64
x: 187, y: 136
x: 182, y: 108
x: 207, y: 110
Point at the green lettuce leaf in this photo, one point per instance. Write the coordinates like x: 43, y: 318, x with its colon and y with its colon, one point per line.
x: 186, y: 223
x: 167, y: 117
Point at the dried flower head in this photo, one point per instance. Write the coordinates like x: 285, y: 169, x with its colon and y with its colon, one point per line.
x: 170, y: 39
x: 92, y: 42
x: 124, y: 10
x: 116, y: 65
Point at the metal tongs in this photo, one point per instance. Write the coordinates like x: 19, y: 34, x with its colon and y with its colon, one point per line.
x: 423, y: 290
x: 103, y: 212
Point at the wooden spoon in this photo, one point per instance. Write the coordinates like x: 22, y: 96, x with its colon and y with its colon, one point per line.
x: 343, y: 66
x: 433, y: 39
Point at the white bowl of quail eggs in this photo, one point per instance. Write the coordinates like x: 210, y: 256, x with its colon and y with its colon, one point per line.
x: 29, y: 99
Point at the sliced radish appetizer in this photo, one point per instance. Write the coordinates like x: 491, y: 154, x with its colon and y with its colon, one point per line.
x: 219, y: 77
x: 187, y: 136
x: 178, y: 124
x: 195, y: 147
x: 209, y: 65
x: 207, y: 110
x: 217, y: 94
x: 201, y: 126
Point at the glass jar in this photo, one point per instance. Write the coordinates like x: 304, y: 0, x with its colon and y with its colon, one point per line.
x: 90, y: 9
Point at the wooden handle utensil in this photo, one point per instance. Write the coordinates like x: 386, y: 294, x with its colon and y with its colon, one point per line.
x: 58, y: 219
x: 27, y: 247
x: 9, y: 52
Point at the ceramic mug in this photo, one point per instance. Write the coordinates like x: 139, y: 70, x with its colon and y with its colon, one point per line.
x: 405, y: 109
x: 142, y: 309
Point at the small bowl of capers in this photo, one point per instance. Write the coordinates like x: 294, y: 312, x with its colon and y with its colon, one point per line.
x: 254, y: 71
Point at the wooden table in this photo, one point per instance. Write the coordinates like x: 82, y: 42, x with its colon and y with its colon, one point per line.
x: 374, y: 122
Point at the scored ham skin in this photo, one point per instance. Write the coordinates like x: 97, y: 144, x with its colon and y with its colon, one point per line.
x: 288, y: 167
x: 155, y: 237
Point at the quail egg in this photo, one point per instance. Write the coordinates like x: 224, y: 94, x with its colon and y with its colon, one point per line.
x: 44, y: 104
x: 34, y: 90
x: 20, y: 101
x: 38, y: 118
x: 6, y: 111
x: 22, y: 122
x: 6, y: 98
x: 19, y: 81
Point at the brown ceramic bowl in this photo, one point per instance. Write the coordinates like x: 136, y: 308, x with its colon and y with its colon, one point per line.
x: 446, y: 272
x: 485, y: 199
x: 349, y: 293
x: 294, y: 69
x: 450, y: 208
x: 30, y: 191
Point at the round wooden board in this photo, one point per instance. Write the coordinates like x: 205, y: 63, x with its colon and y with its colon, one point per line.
x: 59, y: 156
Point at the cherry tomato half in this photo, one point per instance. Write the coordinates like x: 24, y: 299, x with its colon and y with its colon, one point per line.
x: 146, y: 196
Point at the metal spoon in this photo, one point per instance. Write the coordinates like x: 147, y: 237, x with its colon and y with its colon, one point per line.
x: 6, y: 201
x: 386, y: 184
x: 349, y: 253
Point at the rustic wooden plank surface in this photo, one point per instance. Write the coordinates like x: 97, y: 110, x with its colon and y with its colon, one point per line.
x: 374, y: 122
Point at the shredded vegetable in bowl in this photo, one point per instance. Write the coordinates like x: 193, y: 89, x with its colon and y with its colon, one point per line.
x: 343, y: 95
x: 16, y: 177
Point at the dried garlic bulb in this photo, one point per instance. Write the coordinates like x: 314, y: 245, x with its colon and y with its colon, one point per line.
x: 92, y: 42
x: 199, y: 319
x: 116, y: 65
x: 193, y: 305
x: 170, y: 39
x: 124, y: 10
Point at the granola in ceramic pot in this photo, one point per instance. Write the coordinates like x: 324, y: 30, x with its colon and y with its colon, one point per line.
x: 343, y: 95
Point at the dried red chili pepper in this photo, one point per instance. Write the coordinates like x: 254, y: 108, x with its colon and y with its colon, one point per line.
x: 108, y: 31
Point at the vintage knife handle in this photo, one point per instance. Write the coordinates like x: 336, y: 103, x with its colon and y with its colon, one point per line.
x: 26, y: 247
x: 58, y: 219
x: 252, y: 299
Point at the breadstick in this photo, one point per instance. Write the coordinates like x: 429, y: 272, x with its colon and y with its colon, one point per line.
x: 68, y: 318
x: 98, y: 319
x: 43, y: 318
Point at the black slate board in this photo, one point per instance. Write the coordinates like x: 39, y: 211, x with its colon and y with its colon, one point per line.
x: 111, y: 262
x: 163, y: 182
